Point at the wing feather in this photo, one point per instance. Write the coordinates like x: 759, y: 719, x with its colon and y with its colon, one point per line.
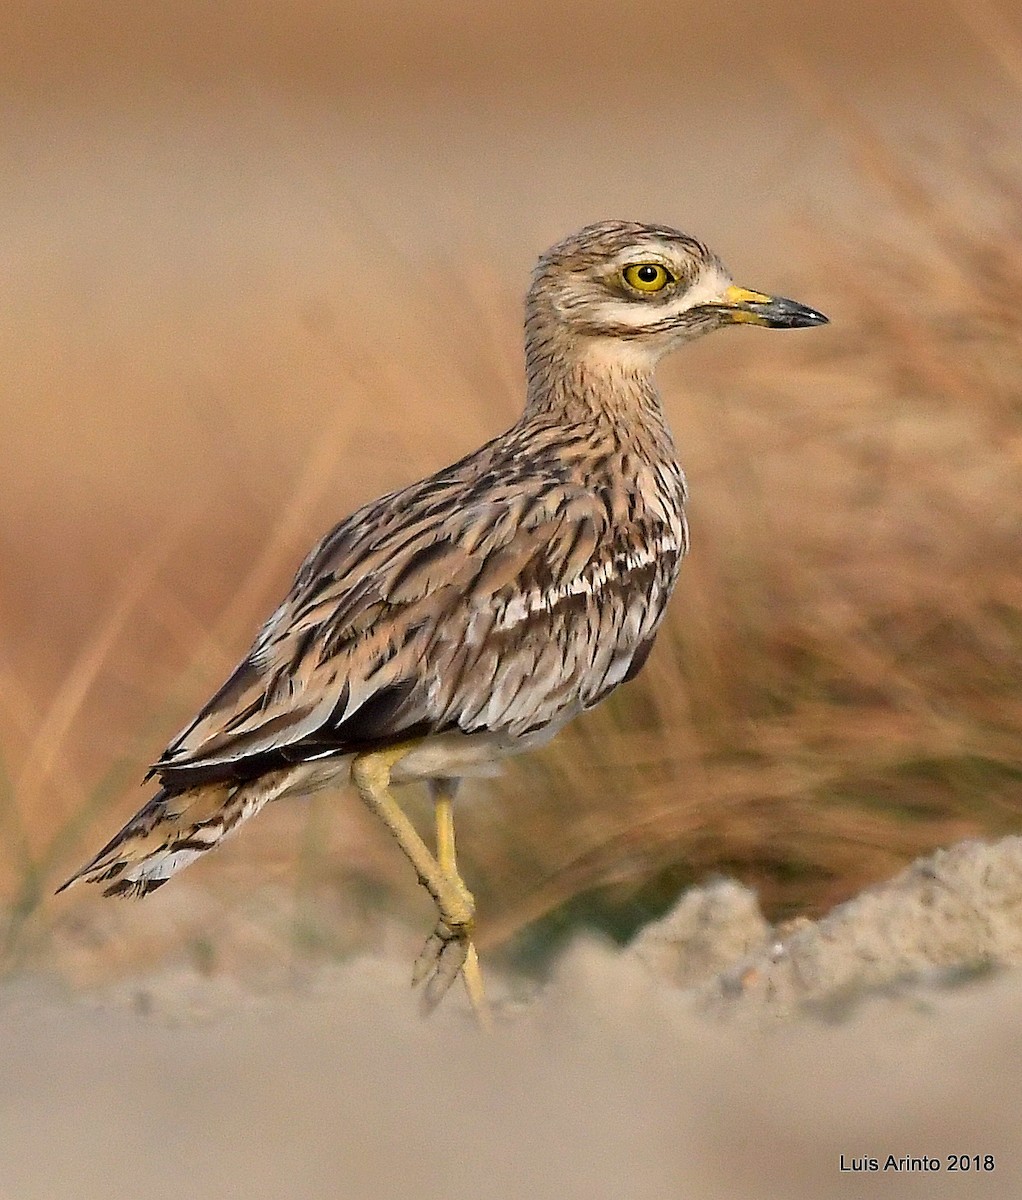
x: 388, y: 630
x: 493, y: 595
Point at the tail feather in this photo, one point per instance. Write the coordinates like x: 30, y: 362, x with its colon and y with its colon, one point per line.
x: 168, y: 833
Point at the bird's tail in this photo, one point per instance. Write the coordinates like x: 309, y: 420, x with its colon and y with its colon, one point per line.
x: 171, y: 831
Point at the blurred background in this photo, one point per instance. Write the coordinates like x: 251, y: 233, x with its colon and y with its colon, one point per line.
x: 263, y: 261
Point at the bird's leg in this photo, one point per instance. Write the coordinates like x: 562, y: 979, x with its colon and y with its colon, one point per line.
x: 371, y: 775
x: 447, y: 952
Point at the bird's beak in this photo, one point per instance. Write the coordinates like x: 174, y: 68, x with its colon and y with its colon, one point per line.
x: 741, y: 306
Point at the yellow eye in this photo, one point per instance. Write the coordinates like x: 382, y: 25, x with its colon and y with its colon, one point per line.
x: 647, y: 277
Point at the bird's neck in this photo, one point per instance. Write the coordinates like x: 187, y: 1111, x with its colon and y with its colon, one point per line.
x: 598, y: 384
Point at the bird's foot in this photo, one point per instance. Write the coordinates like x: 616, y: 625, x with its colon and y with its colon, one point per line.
x: 448, y: 953
x: 440, y: 963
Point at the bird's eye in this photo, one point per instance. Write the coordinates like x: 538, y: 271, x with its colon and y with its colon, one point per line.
x: 647, y: 277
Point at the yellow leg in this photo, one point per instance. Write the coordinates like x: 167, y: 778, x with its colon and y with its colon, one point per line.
x: 449, y: 948
x: 443, y: 800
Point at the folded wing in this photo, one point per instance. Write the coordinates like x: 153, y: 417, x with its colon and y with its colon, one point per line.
x: 435, y: 608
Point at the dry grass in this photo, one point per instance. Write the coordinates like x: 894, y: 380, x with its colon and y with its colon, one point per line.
x: 836, y: 691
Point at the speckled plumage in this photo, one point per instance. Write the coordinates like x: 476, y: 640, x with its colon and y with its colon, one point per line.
x: 473, y: 613
x: 516, y: 585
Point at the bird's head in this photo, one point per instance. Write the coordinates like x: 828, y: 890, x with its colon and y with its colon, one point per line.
x: 639, y: 291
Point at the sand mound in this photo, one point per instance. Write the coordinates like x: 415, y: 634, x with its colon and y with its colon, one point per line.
x: 627, y: 1076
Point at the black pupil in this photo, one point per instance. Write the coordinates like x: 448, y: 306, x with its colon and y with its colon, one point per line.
x: 648, y: 274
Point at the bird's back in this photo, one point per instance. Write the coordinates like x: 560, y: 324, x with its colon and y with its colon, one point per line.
x: 512, y: 589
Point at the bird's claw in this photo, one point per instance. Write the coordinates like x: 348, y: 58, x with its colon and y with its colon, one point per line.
x: 440, y: 962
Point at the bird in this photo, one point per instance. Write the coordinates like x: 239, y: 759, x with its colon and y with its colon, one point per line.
x: 470, y: 615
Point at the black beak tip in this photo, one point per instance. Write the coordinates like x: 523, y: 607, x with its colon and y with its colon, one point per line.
x: 811, y: 317
x: 789, y: 314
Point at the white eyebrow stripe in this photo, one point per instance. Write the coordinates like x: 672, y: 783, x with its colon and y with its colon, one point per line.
x: 707, y: 289
x: 521, y: 607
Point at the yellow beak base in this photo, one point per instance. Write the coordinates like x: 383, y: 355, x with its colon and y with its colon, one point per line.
x: 745, y: 307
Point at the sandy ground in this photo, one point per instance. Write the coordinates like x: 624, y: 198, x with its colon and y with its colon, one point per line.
x: 657, y: 1071
x: 614, y: 1092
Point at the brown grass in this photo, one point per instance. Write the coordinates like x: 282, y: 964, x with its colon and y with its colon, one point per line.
x: 836, y: 691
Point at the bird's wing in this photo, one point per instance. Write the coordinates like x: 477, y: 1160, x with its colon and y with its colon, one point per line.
x: 389, y: 627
